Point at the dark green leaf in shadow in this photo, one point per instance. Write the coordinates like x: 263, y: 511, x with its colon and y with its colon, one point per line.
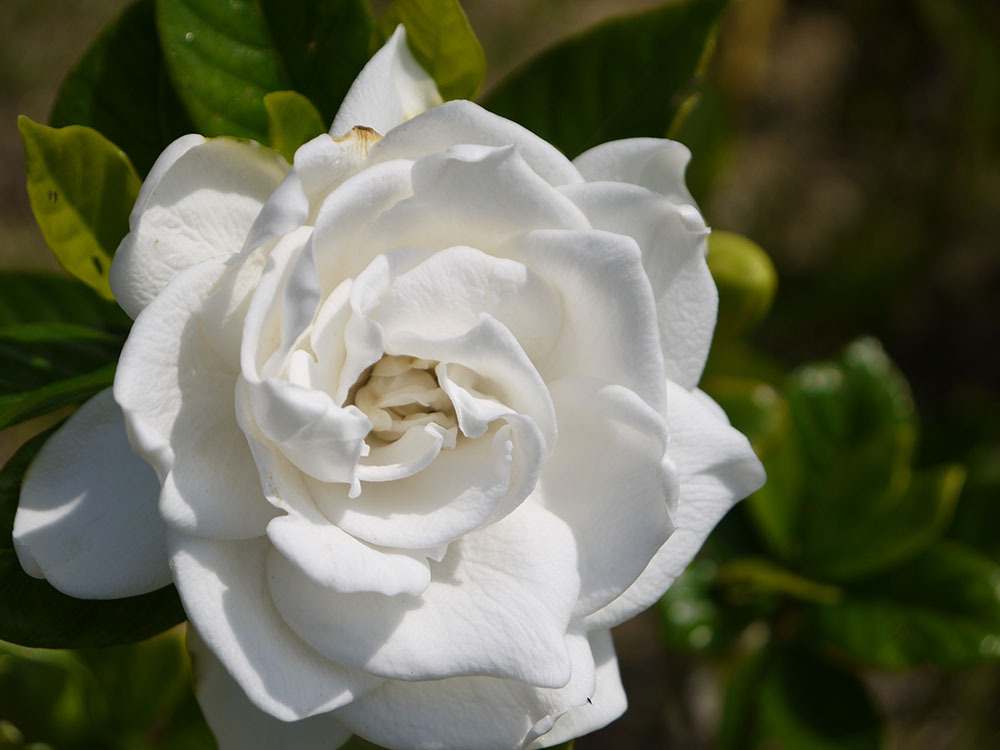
x: 626, y: 77
x: 941, y: 607
x: 32, y: 613
x: 291, y: 121
x: 789, y: 698
x: 223, y: 57
x: 977, y: 517
x: 439, y: 35
x: 120, y: 87
x: 39, y: 297
x: 82, y: 188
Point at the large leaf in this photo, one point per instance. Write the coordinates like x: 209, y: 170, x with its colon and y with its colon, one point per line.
x: 39, y: 297
x: 941, y: 607
x: 37, y: 354
x: 223, y: 56
x: 439, y: 35
x: 82, y: 188
x: 790, y: 698
x: 33, y: 613
x: 28, y: 404
x: 46, y: 365
x: 120, y: 87
x: 291, y: 121
x: 626, y: 77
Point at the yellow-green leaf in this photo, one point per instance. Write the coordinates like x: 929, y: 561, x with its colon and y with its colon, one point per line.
x: 82, y: 188
x: 441, y: 39
x: 291, y: 121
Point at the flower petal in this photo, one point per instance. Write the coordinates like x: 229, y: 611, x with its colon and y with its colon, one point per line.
x: 606, y: 704
x: 239, y: 725
x: 478, y: 196
x: 198, y: 204
x: 223, y: 586
x: 390, y: 89
x: 609, y: 331
x: 87, y: 519
x: 338, y: 561
x: 472, y: 713
x: 717, y: 467
x: 446, y: 294
x: 611, y: 483
x: 672, y: 240
x: 498, y: 604
x: 178, y: 397
x: 462, y: 122
x: 654, y: 163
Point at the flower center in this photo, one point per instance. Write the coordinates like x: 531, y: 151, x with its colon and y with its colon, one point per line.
x: 401, y: 393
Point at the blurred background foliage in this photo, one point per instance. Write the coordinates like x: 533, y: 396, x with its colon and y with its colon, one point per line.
x: 854, y: 602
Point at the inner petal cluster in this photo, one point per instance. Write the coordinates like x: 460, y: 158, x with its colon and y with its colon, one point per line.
x: 401, y: 393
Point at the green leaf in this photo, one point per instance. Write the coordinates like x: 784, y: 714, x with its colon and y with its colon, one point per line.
x: 46, y: 365
x: 81, y: 188
x: 626, y: 77
x: 791, y: 698
x: 27, y: 404
x: 747, y: 281
x: 761, y: 412
x: 120, y: 87
x: 223, y: 57
x: 941, y: 607
x: 36, y: 354
x: 35, y: 614
x: 977, y: 516
x: 441, y: 39
x: 39, y: 297
x: 291, y: 121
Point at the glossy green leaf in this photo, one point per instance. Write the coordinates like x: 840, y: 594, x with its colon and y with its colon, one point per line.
x: 942, y: 607
x: 121, y: 88
x: 626, y: 77
x: 291, y: 121
x: 28, y: 404
x: 977, y: 516
x: 442, y: 41
x: 32, y: 613
x: 46, y: 365
x: 39, y: 297
x: 36, y: 354
x: 747, y: 281
x: 82, y: 188
x: 791, y: 698
x: 223, y: 57
x: 761, y: 412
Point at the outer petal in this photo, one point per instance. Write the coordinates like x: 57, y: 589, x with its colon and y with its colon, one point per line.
x: 607, y: 703
x: 498, y: 604
x: 717, y: 467
x: 391, y: 88
x: 654, y: 163
x: 462, y: 122
x: 471, y: 713
x: 178, y: 397
x: 198, y: 202
x: 239, y: 725
x: 610, y: 481
x: 223, y: 586
x: 672, y: 240
x: 87, y: 520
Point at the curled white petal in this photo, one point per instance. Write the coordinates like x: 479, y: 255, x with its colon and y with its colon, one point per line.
x: 390, y: 89
x: 87, y: 519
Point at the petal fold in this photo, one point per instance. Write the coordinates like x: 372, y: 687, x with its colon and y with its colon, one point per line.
x: 87, y: 520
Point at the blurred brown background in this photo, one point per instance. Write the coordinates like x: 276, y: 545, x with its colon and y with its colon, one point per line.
x: 858, y: 141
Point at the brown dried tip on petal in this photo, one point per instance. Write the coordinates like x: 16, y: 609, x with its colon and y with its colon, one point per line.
x: 361, y: 136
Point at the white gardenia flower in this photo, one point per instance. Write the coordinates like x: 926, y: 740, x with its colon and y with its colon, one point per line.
x: 422, y: 418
